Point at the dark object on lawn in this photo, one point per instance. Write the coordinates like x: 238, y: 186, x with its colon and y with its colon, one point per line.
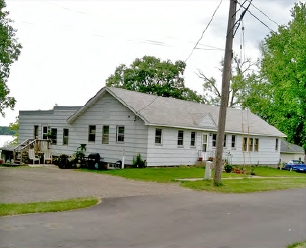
x: 228, y: 168
x: 63, y: 162
x: 95, y: 162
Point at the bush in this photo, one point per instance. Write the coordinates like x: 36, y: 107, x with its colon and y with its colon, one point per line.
x: 138, y: 162
x: 228, y: 168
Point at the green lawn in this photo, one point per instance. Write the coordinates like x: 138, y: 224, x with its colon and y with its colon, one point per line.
x: 160, y: 175
x: 170, y: 174
x: 273, y: 172
x: 247, y: 185
x: 39, y: 207
x: 242, y: 183
x: 298, y: 245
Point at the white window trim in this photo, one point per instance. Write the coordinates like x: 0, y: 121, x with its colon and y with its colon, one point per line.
x: 117, y: 134
x: 161, y: 137
x: 178, y: 138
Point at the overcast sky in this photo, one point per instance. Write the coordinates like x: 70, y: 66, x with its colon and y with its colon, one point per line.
x: 71, y: 47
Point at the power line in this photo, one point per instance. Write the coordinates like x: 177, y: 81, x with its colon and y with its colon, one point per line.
x: 264, y: 14
x: 260, y: 21
x: 204, y: 31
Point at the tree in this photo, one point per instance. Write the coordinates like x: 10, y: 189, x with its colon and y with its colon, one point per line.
x: 152, y: 76
x: 279, y: 95
x: 9, y: 52
x: 242, y: 76
x: 14, y: 128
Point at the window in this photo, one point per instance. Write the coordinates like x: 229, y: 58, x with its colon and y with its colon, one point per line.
x: 214, y: 139
x: 250, y: 144
x: 256, y: 145
x: 105, y: 135
x: 65, y: 136
x: 158, y: 136
x: 245, y: 144
x: 53, y: 136
x: 224, y: 142
x: 276, y: 145
x: 192, y: 139
x: 92, y: 133
x: 45, y: 130
x: 180, y: 138
x: 120, y: 133
x: 36, y: 132
x: 233, y: 141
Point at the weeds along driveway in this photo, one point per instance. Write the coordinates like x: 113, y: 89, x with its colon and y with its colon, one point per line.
x: 26, y: 184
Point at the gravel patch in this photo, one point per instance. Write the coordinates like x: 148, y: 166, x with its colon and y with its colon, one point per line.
x: 32, y: 184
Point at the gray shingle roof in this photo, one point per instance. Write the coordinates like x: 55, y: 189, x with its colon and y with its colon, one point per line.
x: 163, y: 111
x: 287, y: 147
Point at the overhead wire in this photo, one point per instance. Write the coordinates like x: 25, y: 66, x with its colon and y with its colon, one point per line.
x: 264, y: 14
x: 208, y: 24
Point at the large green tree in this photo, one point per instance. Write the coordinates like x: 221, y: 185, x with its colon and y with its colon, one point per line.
x: 9, y: 52
x: 152, y: 76
x: 243, y: 74
x: 279, y: 96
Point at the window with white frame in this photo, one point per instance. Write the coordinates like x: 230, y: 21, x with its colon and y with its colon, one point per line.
x: 224, y: 142
x: 233, y: 141
x: 36, y: 132
x: 192, y: 138
x: 53, y: 136
x: 45, y: 132
x: 65, y: 136
x: 92, y: 133
x: 245, y: 144
x: 120, y: 133
x: 158, y: 136
x: 276, y: 144
x: 214, y: 140
x: 250, y: 144
x: 105, y: 135
x: 180, y: 138
x: 256, y: 145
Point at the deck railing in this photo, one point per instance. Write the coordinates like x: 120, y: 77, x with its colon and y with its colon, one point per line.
x: 39, y: 145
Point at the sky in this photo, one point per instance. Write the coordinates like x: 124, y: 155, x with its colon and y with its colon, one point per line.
x: 70, y: 48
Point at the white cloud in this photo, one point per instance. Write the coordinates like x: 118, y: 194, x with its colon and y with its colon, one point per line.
x: 71, y: 47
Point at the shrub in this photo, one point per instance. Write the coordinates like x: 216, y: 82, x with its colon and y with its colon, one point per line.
x: 138, y: 162
x: 228, y: 168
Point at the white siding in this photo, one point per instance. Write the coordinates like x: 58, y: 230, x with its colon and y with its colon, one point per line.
x: 108, y: 111
x: 169, y: 153
x: 266, y: 154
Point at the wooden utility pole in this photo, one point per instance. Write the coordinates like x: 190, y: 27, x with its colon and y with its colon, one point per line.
x: 225, y: 90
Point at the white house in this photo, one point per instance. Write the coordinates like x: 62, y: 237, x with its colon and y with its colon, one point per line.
x: 165, y: 131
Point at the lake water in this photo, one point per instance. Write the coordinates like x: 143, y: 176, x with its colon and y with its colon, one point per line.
x: 4, y: 139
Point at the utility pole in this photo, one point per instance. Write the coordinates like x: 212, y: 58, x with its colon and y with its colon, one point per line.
x: 225, y: 90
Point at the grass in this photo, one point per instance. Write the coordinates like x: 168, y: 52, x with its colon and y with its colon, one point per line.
x: 170, y: 174
x: 247, y: 185
x: 40, y: 207
x: 160, y: 175
x: 298, y: 245
x: 265, y: 171
x: 283, y: 179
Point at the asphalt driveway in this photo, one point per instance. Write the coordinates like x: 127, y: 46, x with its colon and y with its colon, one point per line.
x: 174, y: 218
x: 30, y: 184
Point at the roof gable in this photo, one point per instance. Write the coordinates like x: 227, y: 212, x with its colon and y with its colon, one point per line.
x: 163, y: 111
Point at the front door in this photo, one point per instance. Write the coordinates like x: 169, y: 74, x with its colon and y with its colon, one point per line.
x: 204, y: 145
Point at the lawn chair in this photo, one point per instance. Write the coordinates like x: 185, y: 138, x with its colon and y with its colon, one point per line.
x: 32, y: 156
x: 47, y: 156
